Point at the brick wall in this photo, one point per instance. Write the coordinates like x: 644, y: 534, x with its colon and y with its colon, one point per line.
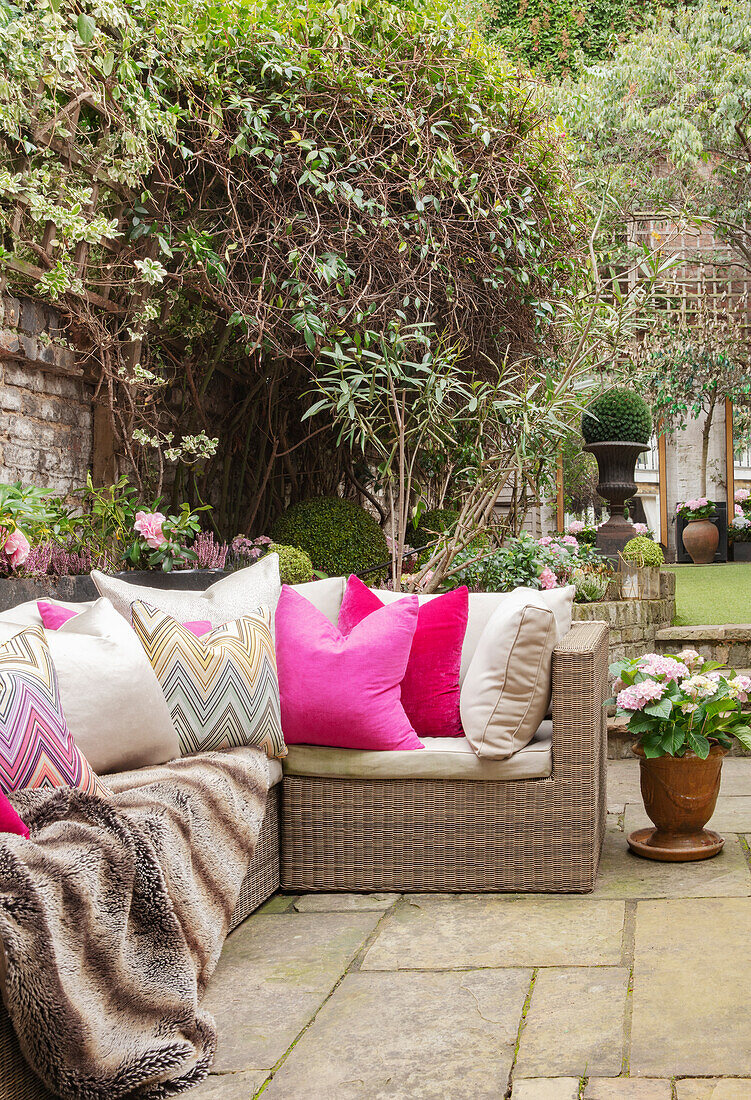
x: 46, y: 413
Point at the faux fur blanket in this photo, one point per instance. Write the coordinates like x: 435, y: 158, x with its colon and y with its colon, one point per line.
x: 113, y: 916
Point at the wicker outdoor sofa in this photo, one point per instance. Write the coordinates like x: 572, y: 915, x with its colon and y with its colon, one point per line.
x: 539, y: 829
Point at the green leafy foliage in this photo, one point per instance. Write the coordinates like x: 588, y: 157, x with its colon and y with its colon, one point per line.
x: 643, y: 551
x: 295, y: 566
x: 556, y: 36
x: 620, y: 414
x: 338, y: 535
x: 667, y: 117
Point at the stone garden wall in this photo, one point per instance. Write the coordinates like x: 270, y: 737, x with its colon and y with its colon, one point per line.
x: 633, y: 623
x: 46, y: 411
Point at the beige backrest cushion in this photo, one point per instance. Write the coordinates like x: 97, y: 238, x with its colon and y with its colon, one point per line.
x: 111, y: 698
x: 506, y: 690
x: 326, y: 595
x: 483, y: 604
x: 228, y: 599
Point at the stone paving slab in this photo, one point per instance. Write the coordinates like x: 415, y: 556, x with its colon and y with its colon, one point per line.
x: 343, y: 903
x: 274, y: 973
x: 627, y: 1088
x: 624, y: 875
x: 231, y: 1086
x: 574, y: 1023
x: 546, y: 1088
x: 732, y: 815
x: 691, y: 988
x: 444, y: 931
x: 713, y: 1090
x: 409, y: 1035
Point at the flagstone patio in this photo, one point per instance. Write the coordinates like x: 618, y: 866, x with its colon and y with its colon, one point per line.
x: 639, y: 991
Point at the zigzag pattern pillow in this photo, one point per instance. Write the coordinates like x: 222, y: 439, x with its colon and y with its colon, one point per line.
x: 221, y: 689
x: 36, y: 747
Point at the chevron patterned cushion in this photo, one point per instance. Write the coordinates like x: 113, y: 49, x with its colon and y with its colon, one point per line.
x: 221, y: 689
x: 36, y: 746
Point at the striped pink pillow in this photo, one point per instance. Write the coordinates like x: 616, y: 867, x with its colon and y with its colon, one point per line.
x: 36, y: 747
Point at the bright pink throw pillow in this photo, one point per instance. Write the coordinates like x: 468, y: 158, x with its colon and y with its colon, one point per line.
x: 344, y: 691
x: 10, y: 822
x: 53, y: 616
x: 430, y: 688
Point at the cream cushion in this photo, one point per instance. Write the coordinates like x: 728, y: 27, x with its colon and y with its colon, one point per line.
x: 111, y: 698
x: 326, y: 595
x: 506, y: 690
x: 228, y: 599
x: 442, y: 758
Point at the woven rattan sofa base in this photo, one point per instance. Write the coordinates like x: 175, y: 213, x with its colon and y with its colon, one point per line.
x: 434, y: 835
x: 17, y: 1080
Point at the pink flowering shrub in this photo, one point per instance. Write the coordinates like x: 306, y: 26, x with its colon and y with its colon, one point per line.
x: 698, y: 508
x: 210, y: 554
x: 679, y: 704
x: 548, y: 578
x: 149, y: 527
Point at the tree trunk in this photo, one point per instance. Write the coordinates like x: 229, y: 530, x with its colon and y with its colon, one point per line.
x: 705, y: 433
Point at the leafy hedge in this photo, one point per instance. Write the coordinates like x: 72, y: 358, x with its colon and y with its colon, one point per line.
x: 338, y: 535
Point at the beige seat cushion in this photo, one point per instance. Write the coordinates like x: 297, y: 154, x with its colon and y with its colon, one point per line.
x: 442, y: 758
x: 111, y: 698
x: 228, y: 599
x: 506, y: 690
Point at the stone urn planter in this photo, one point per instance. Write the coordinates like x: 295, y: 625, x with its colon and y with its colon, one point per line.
x: 700, y: 539
x: 680, y: 793
x: 616, y: 462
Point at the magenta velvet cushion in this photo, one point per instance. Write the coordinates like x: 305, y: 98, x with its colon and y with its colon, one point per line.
x: 344, y: 691
x: 53, y: 616
x: 430, y: 688
x: 10, y: 822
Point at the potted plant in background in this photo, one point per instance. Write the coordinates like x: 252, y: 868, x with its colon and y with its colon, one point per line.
x: 616, y: 427
x: 700, y: 535
x: 684, y: 713
x: 639, y: 569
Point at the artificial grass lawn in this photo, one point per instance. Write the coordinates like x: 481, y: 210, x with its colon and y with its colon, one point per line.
x: 711, y: 595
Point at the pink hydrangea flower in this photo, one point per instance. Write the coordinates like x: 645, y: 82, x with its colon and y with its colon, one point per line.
x: 149, y: 527
x: 546, y: 540
x: 548, y: 578
x: 738, y: 511
x: 575, y: 527
x: 740, y: 687
x: 655, y: 664
x: 569, y: 540
x: 741, y: 495
x: 641, y: 529
x: 689, y: 657
x: 17, y: 548
x: 638, y: 696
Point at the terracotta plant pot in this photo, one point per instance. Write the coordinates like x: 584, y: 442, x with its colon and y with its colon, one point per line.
x: 680, y: 793
x: 616, y: 463
x: 700, y: 539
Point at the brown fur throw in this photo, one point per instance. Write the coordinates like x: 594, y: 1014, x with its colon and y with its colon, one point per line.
x: 113, y: 917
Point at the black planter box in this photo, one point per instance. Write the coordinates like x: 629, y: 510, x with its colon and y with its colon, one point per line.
x: 720, y: 519
x: 16, y: 590
x: 741, y: 551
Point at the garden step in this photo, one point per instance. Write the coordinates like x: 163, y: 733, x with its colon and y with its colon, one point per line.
x: 731, y: 644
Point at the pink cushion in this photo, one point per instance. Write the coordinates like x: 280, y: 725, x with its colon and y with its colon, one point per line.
x: 430, y: 688
x: 344, y: 691
x: 53, y: 616
x: 10, y: 822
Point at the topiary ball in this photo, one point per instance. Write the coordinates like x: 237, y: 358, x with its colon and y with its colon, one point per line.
x: 338, y: 535
x: 643, y: 551
x: 295, y: 566
x: 434, y: 522
x: 620, y: 415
